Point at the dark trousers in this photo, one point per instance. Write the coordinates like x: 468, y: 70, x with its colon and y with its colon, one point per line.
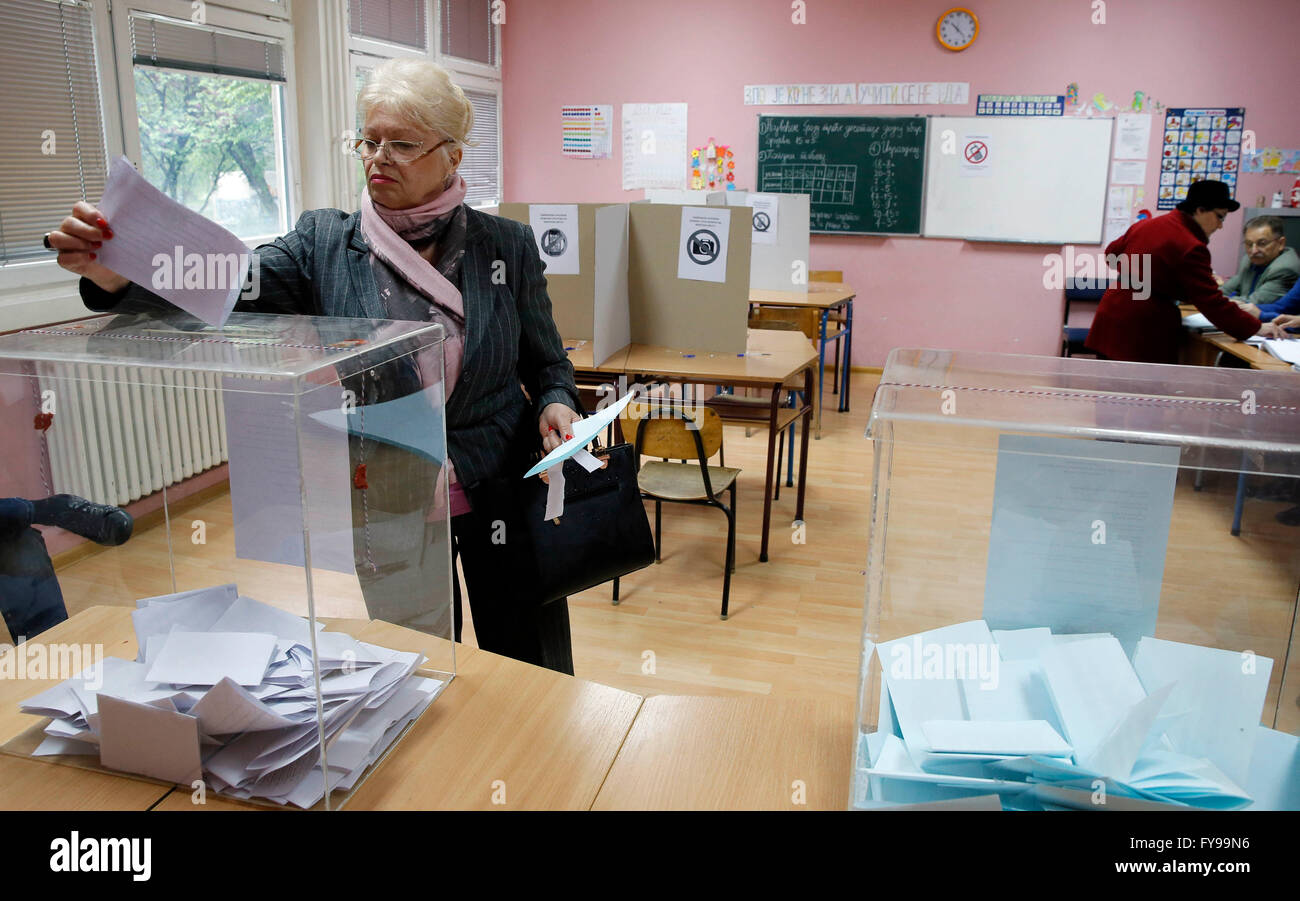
x: 505, y: 621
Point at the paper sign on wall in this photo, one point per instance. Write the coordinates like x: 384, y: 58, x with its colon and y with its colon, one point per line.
x: 765, y: 207
x: 975, y: 156
x: 587, y: 131
x: 654, y: 145
x: 702, y: 253
x: 1119, y: 201
x: 555, y: 228
x: 1132, y: 136
x: 1128, y: 172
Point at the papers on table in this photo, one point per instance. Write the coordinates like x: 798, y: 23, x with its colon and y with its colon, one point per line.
x: 1199, y: 322
x: 1285, y: 349
x: 170, y: 250
x: 226, y: 691
x: 1041, y: 719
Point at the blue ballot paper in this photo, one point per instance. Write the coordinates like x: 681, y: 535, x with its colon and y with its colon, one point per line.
x: 584, y: 430
x: 411, y: 422
x: 1068, y: 721
x: 1078, y: 536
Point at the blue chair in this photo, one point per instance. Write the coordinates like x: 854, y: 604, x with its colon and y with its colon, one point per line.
x: 1079, y: 292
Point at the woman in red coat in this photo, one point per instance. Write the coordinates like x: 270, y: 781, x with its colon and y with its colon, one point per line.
x: 1168, y: 263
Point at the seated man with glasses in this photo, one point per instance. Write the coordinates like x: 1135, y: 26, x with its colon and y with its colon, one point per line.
x: 1268, y: 269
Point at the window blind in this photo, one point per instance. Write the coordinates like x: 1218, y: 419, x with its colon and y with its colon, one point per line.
x: 395, y: 21
x: 480, y: 165
x: 172, y: 44
x: 52, y: 142
x: 467, y: 30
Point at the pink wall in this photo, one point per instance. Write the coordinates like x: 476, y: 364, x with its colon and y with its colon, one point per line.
x: 911, y: 291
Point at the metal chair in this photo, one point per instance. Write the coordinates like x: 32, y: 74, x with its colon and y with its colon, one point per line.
x: 671, y: 432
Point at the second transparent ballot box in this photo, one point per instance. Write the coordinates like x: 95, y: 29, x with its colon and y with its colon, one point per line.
x: 1081, y: 586
x: 228, y: 549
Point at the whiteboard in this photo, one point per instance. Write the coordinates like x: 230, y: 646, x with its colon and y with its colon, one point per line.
x: 1041, y: 180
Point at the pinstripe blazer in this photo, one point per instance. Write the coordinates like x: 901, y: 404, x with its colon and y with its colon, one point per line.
x: 322, y: 268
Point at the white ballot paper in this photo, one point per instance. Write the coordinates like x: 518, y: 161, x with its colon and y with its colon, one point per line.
x: 765, y: 224
x: 702, y: 252
x: 555, y: 229
x: 170, y: 250
x: 247, y: 722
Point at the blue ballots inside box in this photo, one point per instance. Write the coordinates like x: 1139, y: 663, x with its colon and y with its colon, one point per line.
x: 1058, y: 615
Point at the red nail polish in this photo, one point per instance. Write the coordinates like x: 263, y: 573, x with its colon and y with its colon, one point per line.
x: 101, y: 222
x: 550, y: 428
x: 566, y: 437
x: 92, y: 256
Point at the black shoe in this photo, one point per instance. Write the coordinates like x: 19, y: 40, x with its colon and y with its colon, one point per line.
x: 101, y: 523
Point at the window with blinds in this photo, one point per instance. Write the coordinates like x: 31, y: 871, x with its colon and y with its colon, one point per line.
x: 210, y: 110
x: 467, y: 30
x: 481, y: 163
x: 393, y: 21
x: 171, y: 44
x: 52, y: 140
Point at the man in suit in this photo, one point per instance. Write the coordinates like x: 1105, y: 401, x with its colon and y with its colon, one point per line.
x: 1171, y: 250
x: 1267, y: 271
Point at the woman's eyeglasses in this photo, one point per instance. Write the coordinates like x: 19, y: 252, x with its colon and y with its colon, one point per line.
x: 400, y: 152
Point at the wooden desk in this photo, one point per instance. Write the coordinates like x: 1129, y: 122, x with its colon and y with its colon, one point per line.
x: 551, y: 738
x: 771, y: 359
x: 35, y: 785
x: 721, y: 753
x: 1203, y: 349
x: 546, y: 740
x: 580, y: 355
x: 824, y: 297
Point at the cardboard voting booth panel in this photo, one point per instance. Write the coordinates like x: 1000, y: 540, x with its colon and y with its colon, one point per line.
x: 696, y: 312
x: 779, y: 235
x: 584, y: 247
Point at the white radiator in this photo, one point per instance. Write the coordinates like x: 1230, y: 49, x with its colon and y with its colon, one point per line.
x: 123, y: 432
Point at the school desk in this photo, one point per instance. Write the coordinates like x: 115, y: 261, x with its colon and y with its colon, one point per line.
x: 823, y: 297
x: 771, y: 359
x: 734, y: 753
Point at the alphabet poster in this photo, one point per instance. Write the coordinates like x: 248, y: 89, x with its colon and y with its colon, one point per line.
x: 1199, y: 144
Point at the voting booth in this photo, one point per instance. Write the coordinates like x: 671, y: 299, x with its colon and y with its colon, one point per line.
x: 262, y: 509
x: 1058, y: 613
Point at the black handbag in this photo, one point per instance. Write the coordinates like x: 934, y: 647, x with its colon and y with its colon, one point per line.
x: 603, y: 533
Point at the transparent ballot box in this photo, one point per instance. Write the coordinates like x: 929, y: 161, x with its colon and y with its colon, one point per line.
x: 1079, y: 592
x: 224, y: 553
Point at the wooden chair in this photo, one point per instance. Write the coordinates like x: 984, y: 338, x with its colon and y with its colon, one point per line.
x: 665, y: 431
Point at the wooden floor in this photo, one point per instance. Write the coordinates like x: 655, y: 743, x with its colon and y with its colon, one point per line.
x: 796, y: 622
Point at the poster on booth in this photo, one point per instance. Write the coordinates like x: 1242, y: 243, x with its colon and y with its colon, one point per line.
x: 764, y: 208
x: 1199, y: 144
x: 975, y: 156
x: 702, y: 253
x: 555, y: 228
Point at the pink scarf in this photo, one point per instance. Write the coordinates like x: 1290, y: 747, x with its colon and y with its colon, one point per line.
x: 380, y: 225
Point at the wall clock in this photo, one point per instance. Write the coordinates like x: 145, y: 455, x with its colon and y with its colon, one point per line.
x: 958, y: 28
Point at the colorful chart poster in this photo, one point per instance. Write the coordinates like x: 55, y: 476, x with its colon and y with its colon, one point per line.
x: 586, y: 131
x: 1199, y: 144
x: 1020, y: 105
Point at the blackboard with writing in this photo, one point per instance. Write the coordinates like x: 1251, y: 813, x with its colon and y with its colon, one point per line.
x: 864, y: 174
